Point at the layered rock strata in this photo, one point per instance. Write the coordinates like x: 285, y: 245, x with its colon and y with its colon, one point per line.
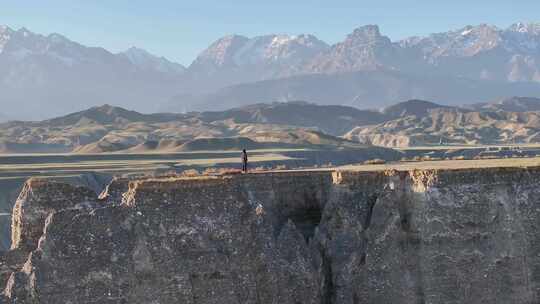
x: 446, y: 236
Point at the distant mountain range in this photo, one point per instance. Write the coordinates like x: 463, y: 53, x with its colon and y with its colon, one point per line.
x: 476, y: 52
x: 292, y: 125
x: 42, y: 76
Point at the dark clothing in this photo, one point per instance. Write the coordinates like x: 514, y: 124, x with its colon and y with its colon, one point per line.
x: 244, y: 161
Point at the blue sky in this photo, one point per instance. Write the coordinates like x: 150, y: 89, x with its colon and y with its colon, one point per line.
x: 180, y: 29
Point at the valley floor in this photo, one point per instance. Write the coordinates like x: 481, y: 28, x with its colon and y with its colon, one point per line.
x: 449, y: 164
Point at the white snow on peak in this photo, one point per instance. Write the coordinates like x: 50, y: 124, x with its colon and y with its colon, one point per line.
x: 523, y: 37
x: 525, y: 28
x: 280, y: 40
x: 520, y: 27
x: 466, y: 32
x: 268, y: 49
x: 280, y: 48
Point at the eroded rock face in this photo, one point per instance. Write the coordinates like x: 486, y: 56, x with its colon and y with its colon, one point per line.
x: 456, y: 236
x: 36, y: 201
x: 113, y: 192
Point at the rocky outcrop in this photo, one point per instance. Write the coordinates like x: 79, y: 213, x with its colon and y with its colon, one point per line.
x: 448, y: 236
x: 114, y: 191
x: 37, y: 200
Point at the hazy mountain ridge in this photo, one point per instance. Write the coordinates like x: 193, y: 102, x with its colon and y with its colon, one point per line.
x: 53, y: 74
x: 236, y: 59
x: 364, y: 49
x: 436, y: 125
x: 112, y: 129
x: 515, y: 48
x: 363, y: 89
x: 144, y: 60
x: 411, y: 107
x: 368, y: 70
x: 22, y: 43
x: 334, y: 120
x: 293, y: 124
x: 511, y: 104
x: 238, y: 51
x: 483, y: 52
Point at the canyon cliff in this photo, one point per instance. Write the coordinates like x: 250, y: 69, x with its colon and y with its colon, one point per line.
x: 422, y: 236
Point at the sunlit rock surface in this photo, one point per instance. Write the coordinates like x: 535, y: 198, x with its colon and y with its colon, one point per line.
x: 424, y: 236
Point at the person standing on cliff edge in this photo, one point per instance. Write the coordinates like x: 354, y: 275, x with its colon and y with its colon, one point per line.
x: 244, y: 161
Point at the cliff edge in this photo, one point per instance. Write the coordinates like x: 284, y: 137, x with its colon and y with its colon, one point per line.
x: 419, y: 236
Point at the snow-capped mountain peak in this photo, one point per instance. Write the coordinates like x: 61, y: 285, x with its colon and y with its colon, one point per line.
x: 466, y: 32
x: 525, y: 27
x: 280, y: 40
x: 464, y: 42
x: 279, y: 49
x: 523, y: 38
x: 236, y: 51
x: 52, y: 64
x: 5, y: 30
x: 23, y: 45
